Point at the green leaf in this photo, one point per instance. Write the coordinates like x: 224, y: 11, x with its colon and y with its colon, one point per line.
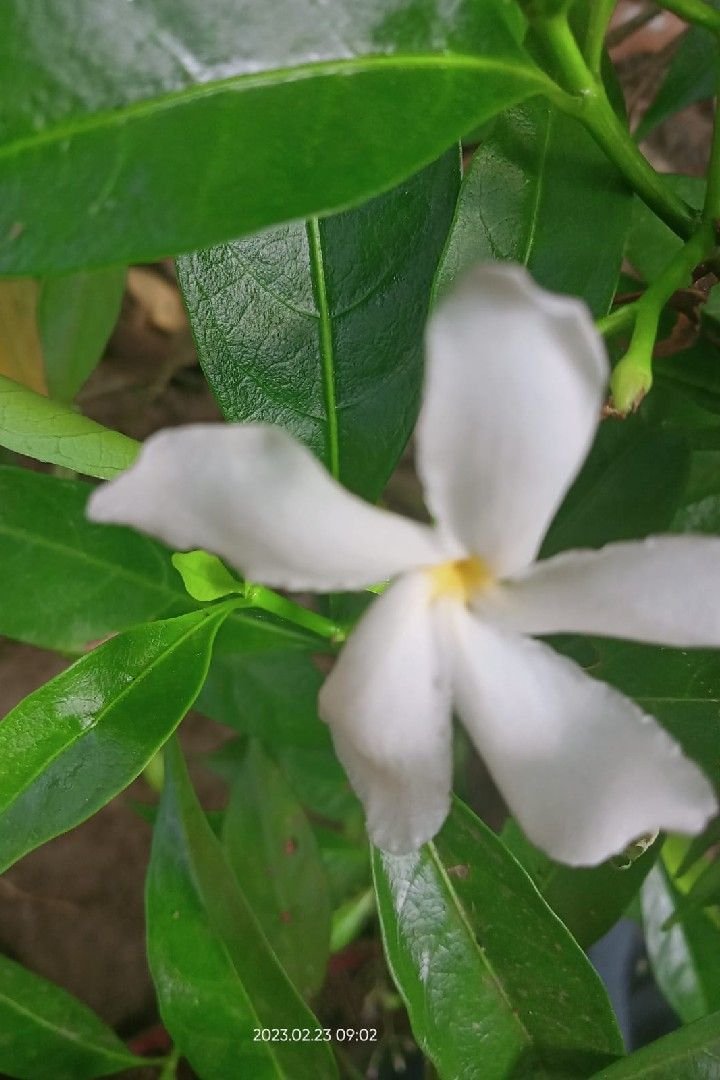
x: 691, y: 76
x: 217, y: 978
x: 540, y: 192
x: 135, y: 132
x: 273, y: 696
x: 66, y: 582
x: 47, y: 1034
x: 76, y: 315
x: 33, y: 425
x: 271, y: 847
x: 588, y: 900
x: 685, y: 957
x: 318, y: 327
x: 651, y: 244
x: 629, y: 486
x: 72, y: 745
x: 482, y: 962
x: 204, y: 576
x: 692, y: 1053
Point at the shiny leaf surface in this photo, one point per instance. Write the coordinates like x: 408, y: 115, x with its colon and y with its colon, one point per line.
x: 216, y: 976
x: 271, y: 847
x: 318, y: 327
x: 692, y: 1053
x: 46, y: 1034
x: 482, y: 962
x: 33, y: 425
x: 72, y: 745
x: 541, y: 193
x: 122, y: 125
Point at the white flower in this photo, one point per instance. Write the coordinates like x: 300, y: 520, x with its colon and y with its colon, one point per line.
x: 514, y: 386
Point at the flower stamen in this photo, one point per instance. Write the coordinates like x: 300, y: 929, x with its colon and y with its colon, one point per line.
x: 461, y: 579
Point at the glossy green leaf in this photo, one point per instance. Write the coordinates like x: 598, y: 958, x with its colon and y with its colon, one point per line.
x: 272, y: 695
x: 482, y: 962
x: 142, y: 130
x: 72, y: 745
x: 271, y: 847
x: 588, y: 900
x: 216, y: 976
x: 204, y: 576
x: 691, y: 76
x: 684, y: 956
x: 76, y: 315
x: 540, y: 192
x: 692, y: 1053
x: 629, y: 486
x: 318, y: 327
x: 34, y: 425
x: 46, y: 1034
x: 66, y: 582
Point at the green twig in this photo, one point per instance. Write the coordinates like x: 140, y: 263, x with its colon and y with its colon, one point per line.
x: 587, y: 100
x: 632, y: 376
x: 622, y: 318
x: 693, y: 11
x: 260, y: 597
x: 598, y: 22
x: 169, y: 1070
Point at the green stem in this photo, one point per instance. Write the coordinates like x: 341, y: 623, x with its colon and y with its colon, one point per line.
x: 588, y: 102
x: 711, y: 208
x: 267, y: 600
x: 169, y: 1071
x: 598, y: 21
x: 632, y: 376
x: 694, y: 11
x: 620, y: 319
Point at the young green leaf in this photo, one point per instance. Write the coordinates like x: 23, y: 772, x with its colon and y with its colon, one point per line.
x: 33, y: 425
x: 588, y: 899
x: 46, y: 1034
x: 135, y: 132
x: 72, y: 745
x: 204, y: 576
x: 523, y: 201
x: 217, y: 979
x: 318, y: 327
x: 76, y: 315
x: 482, y: 962
x: 692, y: 1053
x: 271, y: 847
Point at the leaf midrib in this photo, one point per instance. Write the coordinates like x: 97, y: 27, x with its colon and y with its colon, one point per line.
x: 129, y: 688
x: 273, y: 77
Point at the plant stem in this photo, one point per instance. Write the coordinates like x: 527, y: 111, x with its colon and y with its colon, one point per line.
x: 598, y: 21
x: 694, y: 11
x: 619, y: 319
x: 267, y: 600
x: 587, y: 100
x: 632, y: 377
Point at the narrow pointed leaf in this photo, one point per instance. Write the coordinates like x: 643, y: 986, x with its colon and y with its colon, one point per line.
x: 46, y: 1034
x: 76, y: 315
x: 271, y: 847
x: 72, y: 745
x: 692, y: 1053
x: 216, y: 976
x: 482, y: 962
x: 33, y: 425
x: 136, y: 131
x: 318, y: 326
x: 540, y: 192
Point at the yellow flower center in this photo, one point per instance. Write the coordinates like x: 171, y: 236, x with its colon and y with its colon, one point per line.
x: 461, y: 579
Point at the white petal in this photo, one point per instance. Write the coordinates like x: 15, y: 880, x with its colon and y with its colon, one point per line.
x: 387, y: 702
x: 255, y: 496
x: 665, y: 590
x: 513, y: 390
x: 584, y: 771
